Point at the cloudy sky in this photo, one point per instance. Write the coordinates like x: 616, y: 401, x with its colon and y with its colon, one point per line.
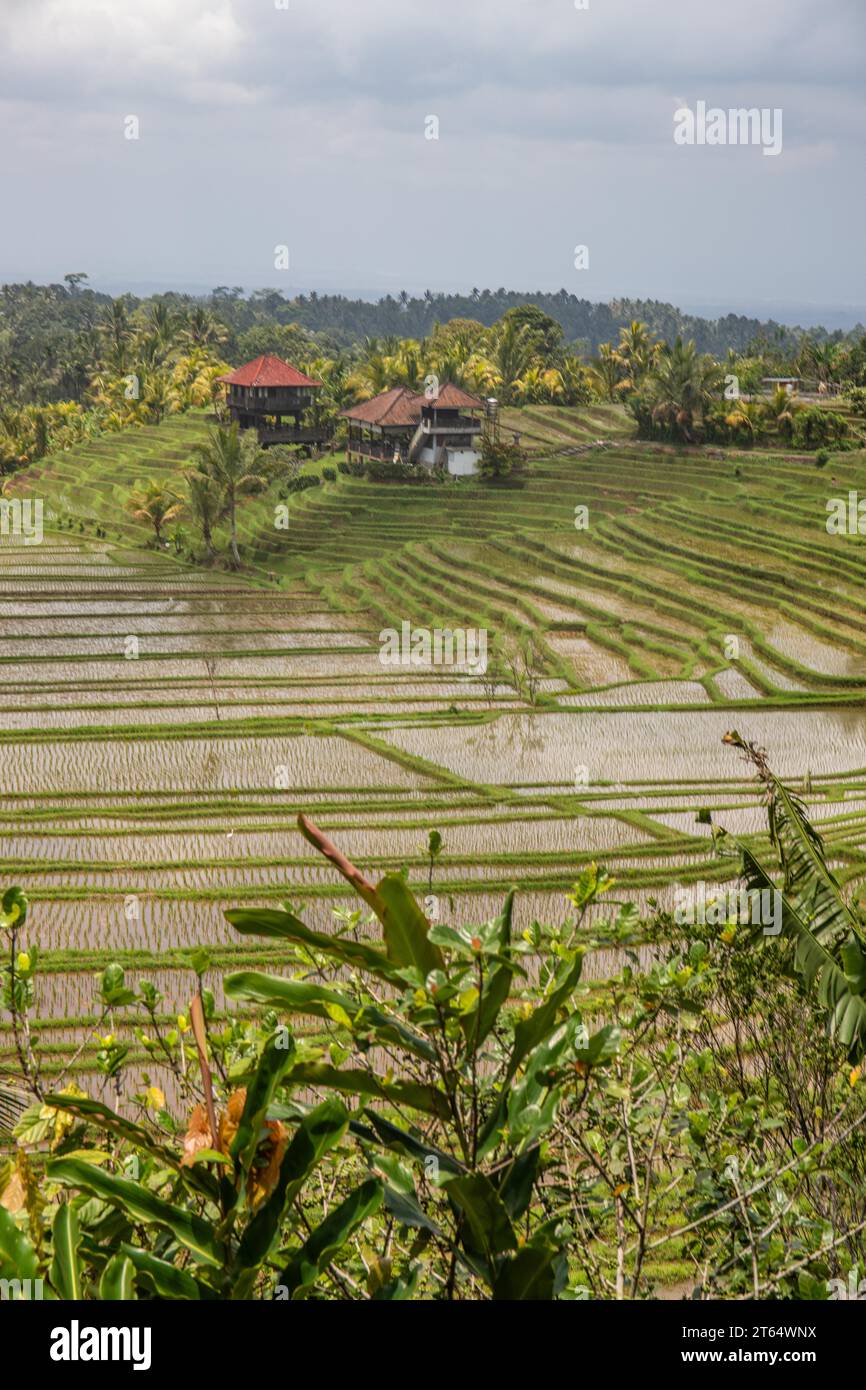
x: 304, y: 123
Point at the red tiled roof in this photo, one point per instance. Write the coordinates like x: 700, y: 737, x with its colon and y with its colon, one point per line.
x: 268, y: 371
x: 399, y: 406
x: 454, y: 398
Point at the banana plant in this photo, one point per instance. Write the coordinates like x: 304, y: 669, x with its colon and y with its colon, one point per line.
x: 826, y: 939
x: 457, y: 1065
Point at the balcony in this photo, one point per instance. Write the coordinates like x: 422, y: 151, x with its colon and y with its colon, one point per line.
x: 461, y: 424
x: 274, y: 402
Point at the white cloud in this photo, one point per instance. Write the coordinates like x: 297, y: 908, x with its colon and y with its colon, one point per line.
x: 257, y: 120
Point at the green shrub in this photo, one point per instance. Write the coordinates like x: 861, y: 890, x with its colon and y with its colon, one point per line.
x: 388, y: 471
x: 501, y: 461
x: 303, y: 481
x: 815, y: 426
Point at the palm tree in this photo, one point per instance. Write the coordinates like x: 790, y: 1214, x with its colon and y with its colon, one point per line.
x: 370, y: 378
x: 116, y: 331
x: 206, y: 505
x: 681, y: 385
x: 817, y: 358
x: 162, y: 324
x: 203, y: 329
x: 540, y: 386
x: 781, y: 408
x: 825, y: 358
x: 575, y: 380
x: 606, y: 373
x: 747, y: 419
x: 404, y: 367
x: 514, y: 352
x: 638, y: 350
x: 159, y: 398
x: 333, y: 372
x: 233, y: 462
x: 155, y: 504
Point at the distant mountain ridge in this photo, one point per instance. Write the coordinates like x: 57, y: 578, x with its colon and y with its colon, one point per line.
x: 582, y: 320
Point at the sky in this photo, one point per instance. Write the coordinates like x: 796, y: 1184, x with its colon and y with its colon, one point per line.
x: 306, y: 125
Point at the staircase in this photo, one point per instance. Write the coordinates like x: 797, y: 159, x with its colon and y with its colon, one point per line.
x: 417, y: 442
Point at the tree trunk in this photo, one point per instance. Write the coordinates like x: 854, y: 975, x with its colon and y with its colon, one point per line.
x: 236, y: 559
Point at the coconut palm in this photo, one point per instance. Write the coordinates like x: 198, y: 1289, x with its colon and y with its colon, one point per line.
x: 540, y: 386
x: 513, y: 353
x: 638, y: 350
x: 203, y: 329
x: 370, y: 377
x: 116, y: 333
x: 195, y: 377
x: 606, y: 373
x: 235, y: 465
x: 576, y: 389
x: 334, y: 372
x: 162, y: 323
x: 818, y: 359
x: 154, y: 503
x: 746, y: 418
x: 405, y: 366
x: 207, y: 506
x: 159, y: 397
x: 681, y: 385
x: 782, y: 408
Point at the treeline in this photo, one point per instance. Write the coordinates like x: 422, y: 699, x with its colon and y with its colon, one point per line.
x: 75, y: 364
x: 51, y: 338
x: 584, y: 324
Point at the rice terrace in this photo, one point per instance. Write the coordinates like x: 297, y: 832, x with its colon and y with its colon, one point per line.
x: 144, y: 796
x: 432, y: 720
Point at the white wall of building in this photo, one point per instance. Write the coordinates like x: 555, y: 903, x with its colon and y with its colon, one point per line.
x: 462, y: 462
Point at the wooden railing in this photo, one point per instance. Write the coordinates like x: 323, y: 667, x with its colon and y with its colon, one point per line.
x: 373, y: 451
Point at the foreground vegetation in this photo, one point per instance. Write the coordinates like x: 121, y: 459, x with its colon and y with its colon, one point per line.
x: 417, y: 1110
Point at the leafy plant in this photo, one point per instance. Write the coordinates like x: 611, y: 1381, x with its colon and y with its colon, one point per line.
x: 443, y: 1110
x: 475, y: 1065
